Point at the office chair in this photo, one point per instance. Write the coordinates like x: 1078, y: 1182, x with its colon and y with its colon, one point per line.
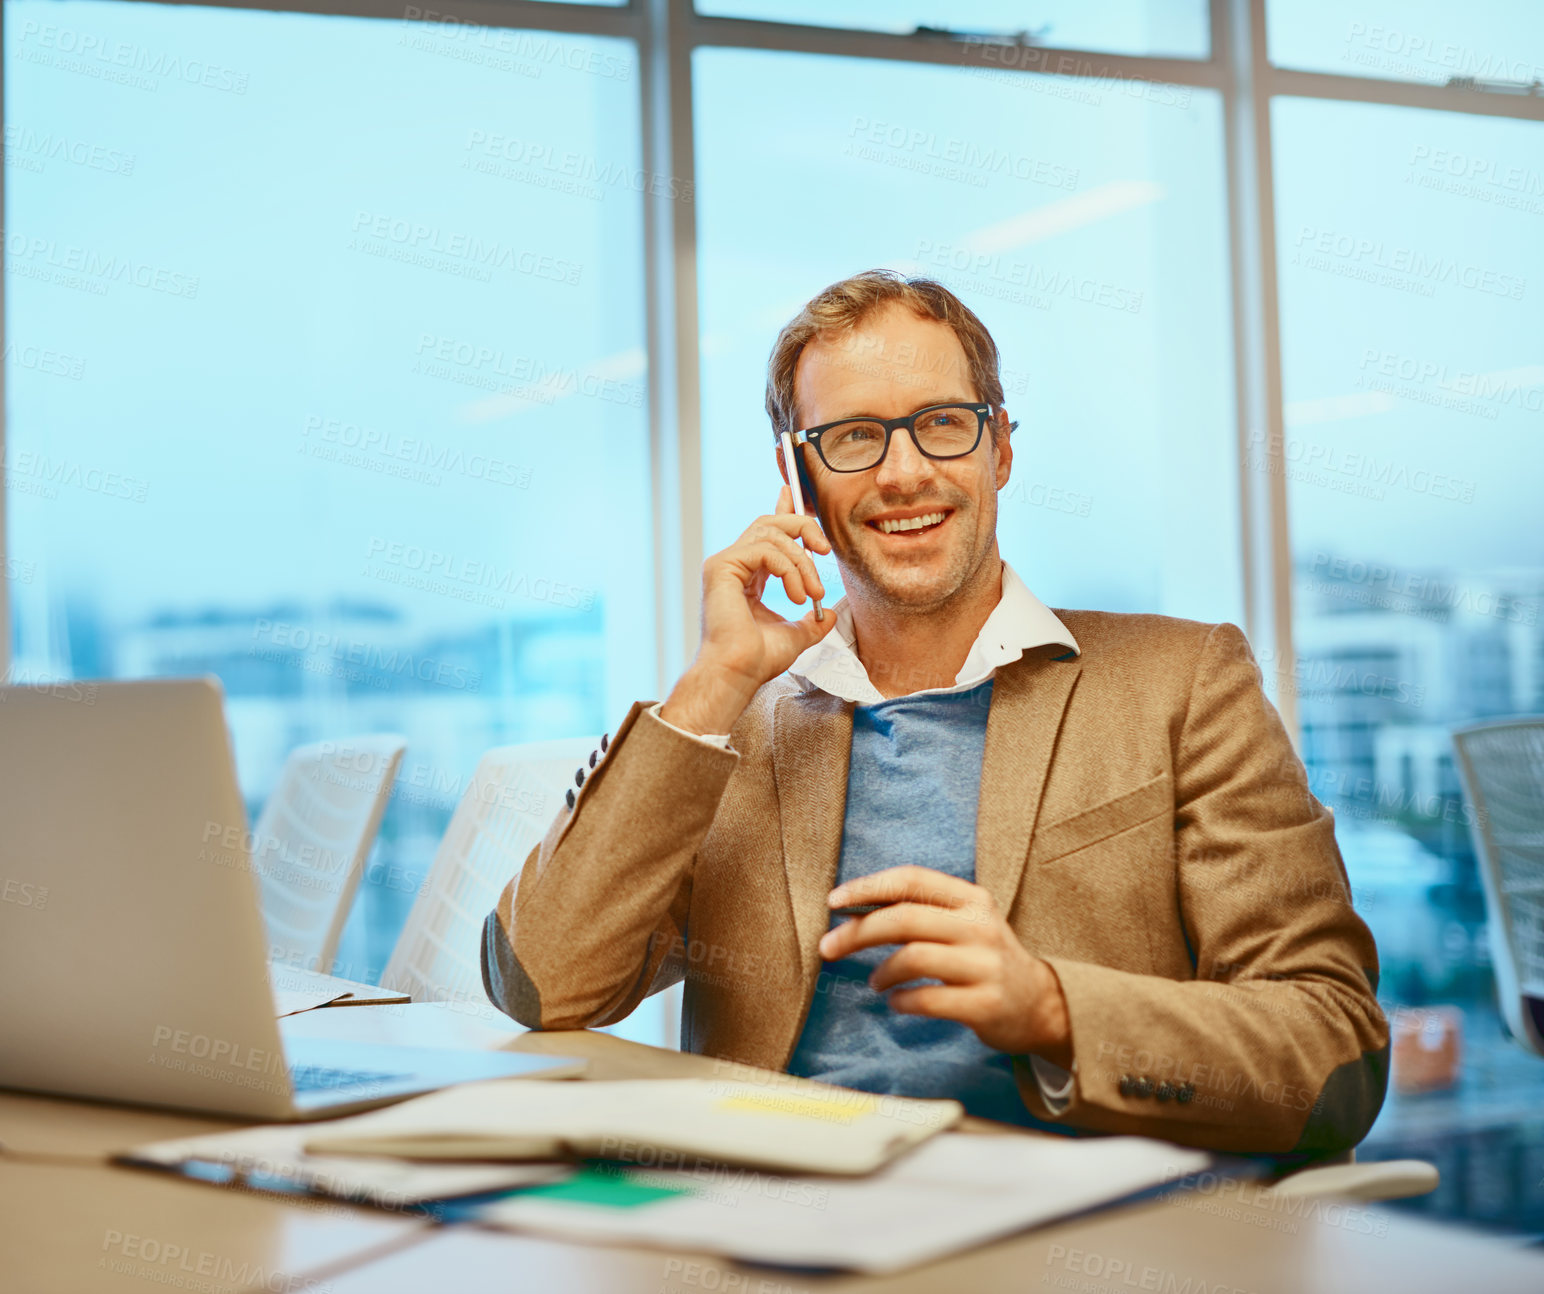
x: 1501, y: 763
x: 514, y: 794
x: 311, y: 841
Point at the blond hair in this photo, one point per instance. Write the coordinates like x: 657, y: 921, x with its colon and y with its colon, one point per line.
x: 842, y: 306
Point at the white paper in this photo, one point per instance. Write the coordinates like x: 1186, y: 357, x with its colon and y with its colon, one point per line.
x: 953, y: 1192
x: 296, y: 989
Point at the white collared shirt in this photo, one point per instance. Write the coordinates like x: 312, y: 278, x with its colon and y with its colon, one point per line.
x: 1018, y: 622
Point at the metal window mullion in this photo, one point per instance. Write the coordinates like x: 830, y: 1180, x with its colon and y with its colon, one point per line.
x: 1287, y: 82
x: 670, y: 278
x: 5, y: 568
x: 742, y: 33
x: 1267, y: 553
x: 533, y: 15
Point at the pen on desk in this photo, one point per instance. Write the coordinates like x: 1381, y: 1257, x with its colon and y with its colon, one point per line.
x: 791, y: 467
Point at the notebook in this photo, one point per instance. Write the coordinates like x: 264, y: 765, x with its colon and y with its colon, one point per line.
x: 654, y: 1122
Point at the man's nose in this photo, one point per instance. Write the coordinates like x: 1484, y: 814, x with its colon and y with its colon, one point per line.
x: 905, y: 465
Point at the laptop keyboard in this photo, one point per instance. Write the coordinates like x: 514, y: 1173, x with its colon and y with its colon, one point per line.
x: 325, y: 1078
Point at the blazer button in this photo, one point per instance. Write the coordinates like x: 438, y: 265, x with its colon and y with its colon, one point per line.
x: 579, y: 776
x: 1165, y: 1091
x: 1186, y: 1092
x: 569, y: 796
x: 592, y: 758
x: 1144, y: 1086
x: 604, y: 738
x: 1128, y: 1085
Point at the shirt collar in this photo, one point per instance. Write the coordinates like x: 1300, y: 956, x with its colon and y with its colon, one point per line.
x: 1018, y: 622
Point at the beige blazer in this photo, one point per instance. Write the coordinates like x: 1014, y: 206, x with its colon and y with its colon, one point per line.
x: 1144, y: 825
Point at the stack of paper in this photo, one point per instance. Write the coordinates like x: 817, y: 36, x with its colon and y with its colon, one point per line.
x: 652, y: 1122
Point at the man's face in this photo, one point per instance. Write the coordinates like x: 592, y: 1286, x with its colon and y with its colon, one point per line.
x: 892, y: 364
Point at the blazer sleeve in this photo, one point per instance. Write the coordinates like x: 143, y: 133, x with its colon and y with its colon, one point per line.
x: 1277, y: 1045
x: 596, y: 919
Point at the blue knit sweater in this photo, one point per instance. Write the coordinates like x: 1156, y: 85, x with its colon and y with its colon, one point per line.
x: 912, y: 787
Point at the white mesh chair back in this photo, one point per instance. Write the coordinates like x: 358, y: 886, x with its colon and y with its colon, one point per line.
x: 1502, y: 767
x: 506, y: 810
x: 310, y: 844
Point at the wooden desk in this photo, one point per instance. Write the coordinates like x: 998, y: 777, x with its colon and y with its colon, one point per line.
x: 92, y: 1227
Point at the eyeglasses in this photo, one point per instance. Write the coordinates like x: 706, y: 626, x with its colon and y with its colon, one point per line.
x: 857, y: 444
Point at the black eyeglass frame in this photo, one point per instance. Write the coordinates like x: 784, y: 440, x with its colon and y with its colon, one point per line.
x: 812, y: 435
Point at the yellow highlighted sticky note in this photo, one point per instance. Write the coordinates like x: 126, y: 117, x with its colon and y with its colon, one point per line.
x: 798, y: 1105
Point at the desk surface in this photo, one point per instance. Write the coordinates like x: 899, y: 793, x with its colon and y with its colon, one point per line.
x: 86, y: 1226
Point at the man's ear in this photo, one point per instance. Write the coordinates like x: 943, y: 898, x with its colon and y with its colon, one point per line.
x: 1002, y: 445
x: 782, y: 467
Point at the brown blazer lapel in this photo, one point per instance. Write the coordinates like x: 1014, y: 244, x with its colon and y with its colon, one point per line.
x: 1029, y: 698
x: 811, y: 743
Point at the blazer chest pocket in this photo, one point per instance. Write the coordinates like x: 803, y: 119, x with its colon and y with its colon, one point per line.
x: 1129, y: 809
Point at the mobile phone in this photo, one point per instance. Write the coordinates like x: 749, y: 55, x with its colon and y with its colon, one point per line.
x: 791, y: 466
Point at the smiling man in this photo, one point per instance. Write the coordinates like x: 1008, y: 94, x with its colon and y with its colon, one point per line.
x: 1106, y: 898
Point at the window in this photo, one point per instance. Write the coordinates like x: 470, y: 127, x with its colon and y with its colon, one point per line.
x: 350, y: 410
x: 1088, y: 233
x: 1491, y: 41
x: 1411, y: 350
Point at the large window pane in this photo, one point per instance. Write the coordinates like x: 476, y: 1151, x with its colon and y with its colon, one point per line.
x: 1413, y: 358
x: 324, y: 357
x: 1173, y: 27
x: 1410, y: 40
x: 1089, y: 236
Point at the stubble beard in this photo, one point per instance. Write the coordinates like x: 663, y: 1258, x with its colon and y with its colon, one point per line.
x: 899, y: 589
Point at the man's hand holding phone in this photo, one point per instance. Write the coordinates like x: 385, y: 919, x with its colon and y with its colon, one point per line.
x: 744, y: 644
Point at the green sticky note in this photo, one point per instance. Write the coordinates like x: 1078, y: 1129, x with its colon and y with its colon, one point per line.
x: 607, y: 1189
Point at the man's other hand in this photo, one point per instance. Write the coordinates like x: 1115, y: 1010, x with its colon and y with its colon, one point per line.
x: 952, y: 931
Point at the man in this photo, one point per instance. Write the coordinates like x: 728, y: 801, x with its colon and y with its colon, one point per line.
x: 1110, y: 901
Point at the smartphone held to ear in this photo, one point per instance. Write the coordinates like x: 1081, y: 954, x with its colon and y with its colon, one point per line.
x: 791, y: 467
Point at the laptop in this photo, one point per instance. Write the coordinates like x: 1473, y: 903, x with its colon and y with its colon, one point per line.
x: 133, y: 955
